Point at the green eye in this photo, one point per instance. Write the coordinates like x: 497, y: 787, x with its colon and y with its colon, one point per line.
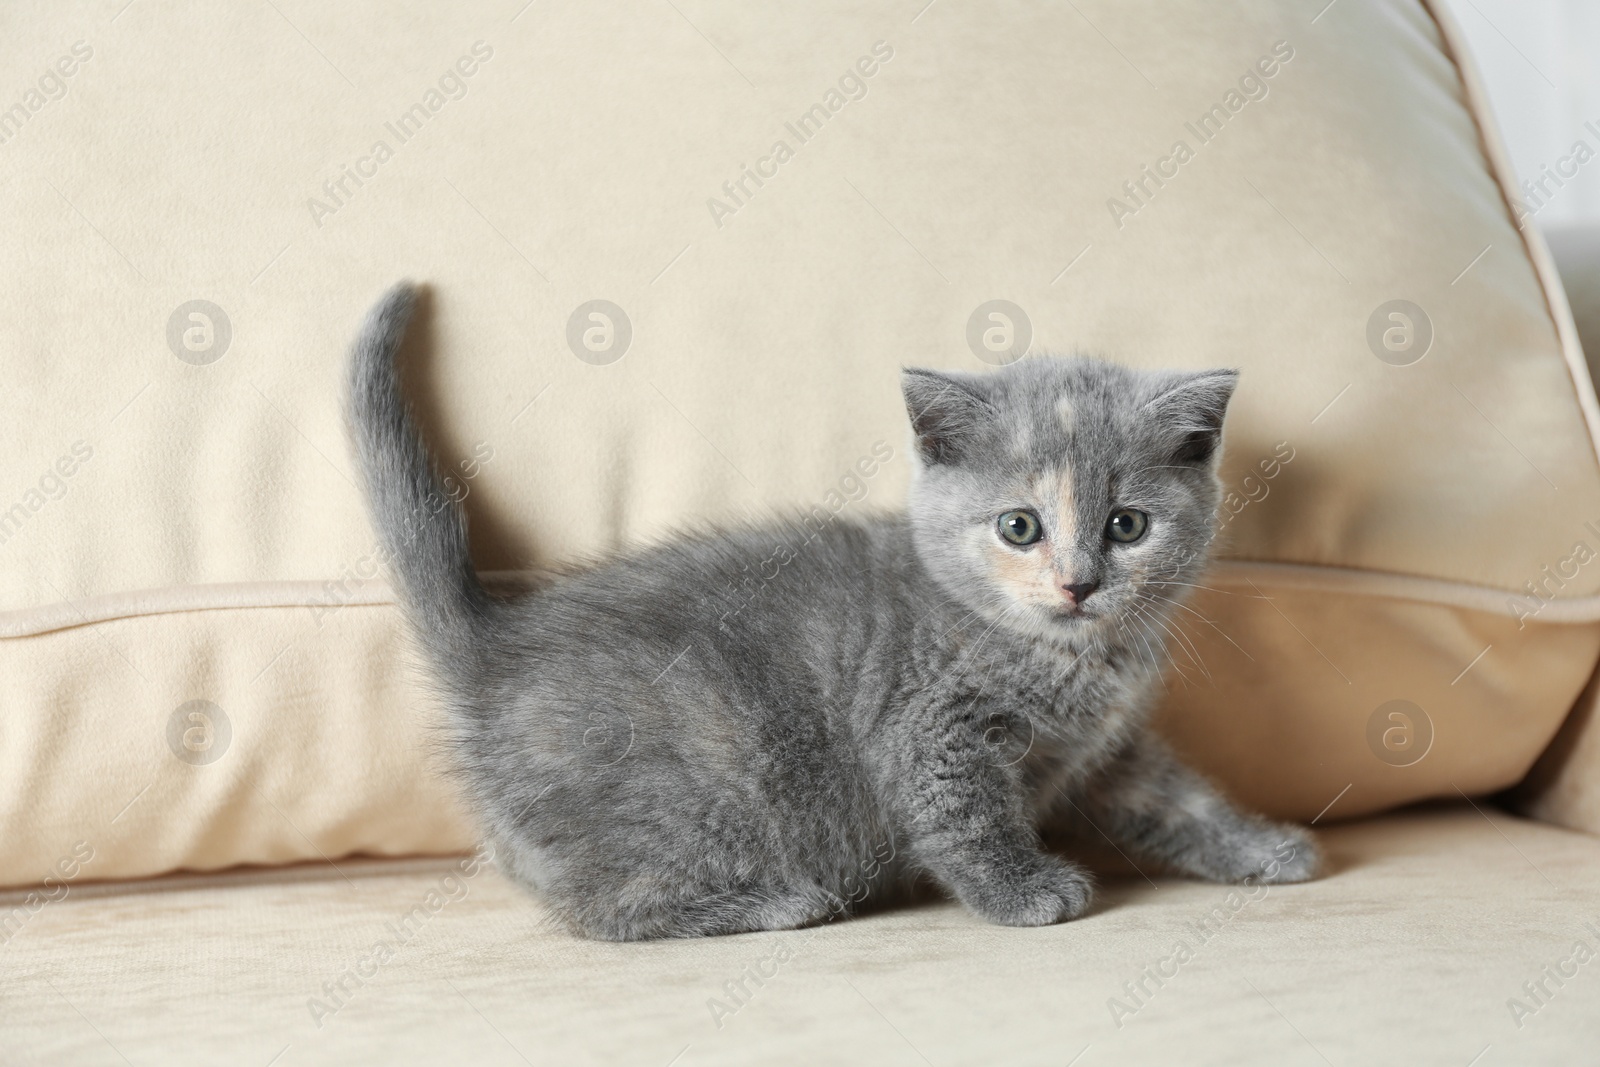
x: 1020, y: 527
x: 1126, y: 526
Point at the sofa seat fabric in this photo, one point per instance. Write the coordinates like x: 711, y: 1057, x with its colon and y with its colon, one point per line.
x: 1428, y: 926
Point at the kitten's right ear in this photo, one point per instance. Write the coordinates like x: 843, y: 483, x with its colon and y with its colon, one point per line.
x: 946, y: 413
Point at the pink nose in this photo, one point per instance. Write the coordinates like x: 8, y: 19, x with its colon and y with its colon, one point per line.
x: 1079, y: 592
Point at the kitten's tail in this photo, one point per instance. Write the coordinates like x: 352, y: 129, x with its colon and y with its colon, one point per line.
x: 423, y: 531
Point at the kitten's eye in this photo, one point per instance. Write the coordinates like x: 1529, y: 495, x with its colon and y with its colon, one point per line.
x: 1127, y: 526
x: 1020, y: 527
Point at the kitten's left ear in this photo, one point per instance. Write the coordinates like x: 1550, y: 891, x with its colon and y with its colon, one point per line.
x: 1191, y: 411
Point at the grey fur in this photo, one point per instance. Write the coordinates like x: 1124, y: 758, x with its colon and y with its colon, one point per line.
x: 758, y: 728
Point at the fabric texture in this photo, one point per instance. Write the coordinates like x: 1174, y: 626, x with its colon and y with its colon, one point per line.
x: 1412, y: 950
x: 1564, y: 786
x: 677, y: 255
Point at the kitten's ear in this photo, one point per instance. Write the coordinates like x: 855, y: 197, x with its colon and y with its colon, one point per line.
x: 1190, y: 411
x: 946, y: 412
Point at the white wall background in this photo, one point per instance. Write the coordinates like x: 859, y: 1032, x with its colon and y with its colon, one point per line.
x: 1540, y: 60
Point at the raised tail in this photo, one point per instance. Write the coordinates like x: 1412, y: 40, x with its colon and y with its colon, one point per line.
x: 422, y: 529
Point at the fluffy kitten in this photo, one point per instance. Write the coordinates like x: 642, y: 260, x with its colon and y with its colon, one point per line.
x: 739, y: 730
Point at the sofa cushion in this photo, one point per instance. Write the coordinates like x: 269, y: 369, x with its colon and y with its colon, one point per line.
x: 677, y: 256
x: 1564, y: 785
x: 444, y: 961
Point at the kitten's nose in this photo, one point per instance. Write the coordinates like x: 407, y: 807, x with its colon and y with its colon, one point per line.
x: 1079, y: 592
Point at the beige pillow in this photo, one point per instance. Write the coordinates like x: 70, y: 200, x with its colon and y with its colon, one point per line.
x: 781, y: 204
x: 1564, y: 786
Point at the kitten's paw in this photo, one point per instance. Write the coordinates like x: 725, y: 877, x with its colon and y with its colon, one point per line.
x: 1272, y: 853
x: 1297, y: 857
x: 1051, y: 892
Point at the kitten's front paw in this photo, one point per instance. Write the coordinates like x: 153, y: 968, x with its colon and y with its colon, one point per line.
x: 1051, y: 892
x: 1273, y: 853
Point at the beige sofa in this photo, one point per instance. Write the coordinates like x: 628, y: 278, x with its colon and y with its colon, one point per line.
x: 1430, y: 922
x: 677, y: 254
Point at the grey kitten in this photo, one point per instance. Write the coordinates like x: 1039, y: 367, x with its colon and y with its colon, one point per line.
x: 754, y: 729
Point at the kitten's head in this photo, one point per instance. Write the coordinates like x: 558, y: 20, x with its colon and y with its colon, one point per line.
x: 1054, y: 496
